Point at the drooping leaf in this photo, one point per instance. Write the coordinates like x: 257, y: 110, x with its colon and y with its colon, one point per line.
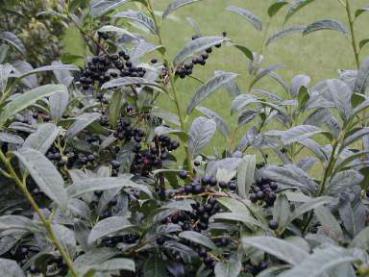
x: 299, y: 133
x: 176, y: 4
x: 81, y: 123
x: 325, y: 24
x: 43, y: 138
x: 101, y: 7
x: 362, y: 80
x: 53, y: 67
x: 246, y: 117
x: 295, y: 6
x: 285, y: 32
x: 362, y: 10
x: 248, y: 15
x: 209, y: 88
x: 27, y: 99
x: 14, y: 41
x: 264, y: 72
x: 201, y: 132
x: 274, y: 8
x: 341, y: 95
x: 10, y: 268
x: 282, y: 249
x: 196, y: 46
x: 246, y: 51
x: 44, y: 174
x: 108, y: 226
x: 298, y: 82
x: 363, y: 42
x: 197, y: 238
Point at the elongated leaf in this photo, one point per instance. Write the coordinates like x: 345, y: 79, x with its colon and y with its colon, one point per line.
x: 176, y: 4
x: 27, y: 99
x: 10, y: 268
x: 116, y: 264
x: 264, y: 72
x: 129, y: 81
x: 140, y: 18
x: 360, y: 11
x: 298, y: 82
x: 14, y: 41
x: 108, y: 226
x: 101, y: 7
x: 320, y: 262
x: 282, y: 249
x: 326, y: 24
x: 18, y: 222
x: 329, y: 223
x: 210, y: 87
x: 246, y: 219
x: 246, y: 51
x: 55, y: 66
x: 93, y: 258
x: 196, y: 46
x: 221, y: 123
x: 197, y: 238
x: 43, y: 138
x: 58, y: 104
x: 274, y: 8
x: 308, y: 206
x: 103, y: 183
x: 245, y: 175
x: 341, y: 95
x: 154, y: 267
x: 295, y: 6
x: 81, y: 123
x: 281, y: 210
x: 11, y: 138
x: 355, y: 135
x: 5, y: 70
x: 285, y: 32
x: 201, y: 133
x: 248, y: 15
x: 361, y: 240
x: 363, y: 42
x: 44, y: 174
x: 299, y: 133
x: 246, y: 117
x: 362, y: 80
x: 118, y: 30
x: 66, y: 237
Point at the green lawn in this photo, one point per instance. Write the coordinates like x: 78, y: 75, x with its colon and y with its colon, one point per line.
x: 318, y: 55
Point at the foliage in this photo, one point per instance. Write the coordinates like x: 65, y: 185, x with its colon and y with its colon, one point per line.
x: 92, y: 184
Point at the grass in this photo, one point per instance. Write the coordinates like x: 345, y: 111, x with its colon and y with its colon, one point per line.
x: 318, y: 55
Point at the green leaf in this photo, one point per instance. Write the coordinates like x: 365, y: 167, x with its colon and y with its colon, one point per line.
x: 229, y: 268
x: 356, y: 134
x: 221, y: 123
x: 325, y: 24
x: 115, y: 107
x: 362, y: 80
x: 233, y: 205
x: 108, y: 226
x: 248, y: 15
x: 104, y: 183
x: 282, y: 249
x: 118, y: 30
x: 57, y: 66
x: 363, y: 42
x: 116, y: 264
x: 154, y: 267
x: 341, y: 95
x: 66, y: 237
x: 284, y: 33
x: 246, y: 117
x: 245, y: 175
x: 14, y: 41
x: 176, y: 4
x: 58, y: 104
x: 246, y: 219
x: 93, y: 258
x: 198, y: 239
x: 196, y: 46
x: 27, y: 99
x: 18, y: 222
x: 361, y: 240
x: 308, y: 206
x: 10, y: 268
x: 81, y: 123
x: 320, y: 262
x: 360, y: 11
x: 329, y: 223
x: 281, y: 210
x: 209, y: 88
x: 299, y: 133
x: 101, y: 7
x: 140, y: 18
x: 11, y: 138
x: 44, y: 174
x: 5, y: 70
x: 201, y: 132
x: 43, y: 138
x: 295, y: 6
x: 246, y: 51
x: 264, y: 72
x: 274, y: 8
x: 129, y: 81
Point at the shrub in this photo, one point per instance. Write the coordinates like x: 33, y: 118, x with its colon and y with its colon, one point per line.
x: 93, y: 180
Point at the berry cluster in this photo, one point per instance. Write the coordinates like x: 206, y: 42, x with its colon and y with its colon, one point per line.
x: 263, y: 191
x: 126, y: 132
x: 102, y: 68
x: 186, y: 69
x: 159, y: 150
x: 71, y: 158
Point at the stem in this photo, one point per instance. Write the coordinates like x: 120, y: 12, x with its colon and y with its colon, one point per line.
x: 171, y: 81
x: 352, y: 31
x: 47, y: 224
